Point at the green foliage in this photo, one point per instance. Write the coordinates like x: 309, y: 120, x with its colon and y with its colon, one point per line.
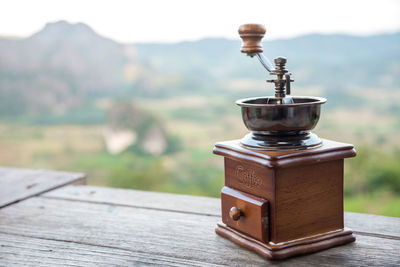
x: 381, y: 203
x: 196, y: 175
x: 385, y: 174
x: 144, y: 174
x: 126, y: 170
x: 373, y: 170
x: 174, y: 144
x: 87, y: 114
x: 83, y: 115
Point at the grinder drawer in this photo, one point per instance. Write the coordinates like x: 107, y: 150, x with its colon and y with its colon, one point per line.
x: 245, y: 213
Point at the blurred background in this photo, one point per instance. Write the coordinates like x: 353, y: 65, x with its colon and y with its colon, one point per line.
x: 136, y: 93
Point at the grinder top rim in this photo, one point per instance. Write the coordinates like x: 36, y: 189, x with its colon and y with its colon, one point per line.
x: 301, y: 101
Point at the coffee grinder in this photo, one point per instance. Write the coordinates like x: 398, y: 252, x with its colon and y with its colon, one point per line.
x: 283, y: 193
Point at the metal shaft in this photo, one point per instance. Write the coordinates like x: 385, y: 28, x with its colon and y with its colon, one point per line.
x: 265, y: 62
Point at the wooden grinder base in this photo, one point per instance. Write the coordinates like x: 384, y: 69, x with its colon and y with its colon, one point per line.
x: 289, y: 249
x: 284, y: 203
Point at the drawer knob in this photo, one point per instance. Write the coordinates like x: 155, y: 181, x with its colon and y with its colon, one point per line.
x: 235, y: 213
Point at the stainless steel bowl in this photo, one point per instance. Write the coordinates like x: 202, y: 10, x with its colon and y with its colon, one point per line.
x: 281, y: 126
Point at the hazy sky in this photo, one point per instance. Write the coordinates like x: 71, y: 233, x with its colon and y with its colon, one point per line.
x: 169, y: 21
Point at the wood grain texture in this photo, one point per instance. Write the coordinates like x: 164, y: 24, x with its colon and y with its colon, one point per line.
x: 27, y: 251
x: 22, y: 250
x: 254, y: 213
x: 309, y: 200
x: 255, y: 180
x: 250, y: 178
x: 360, y: 223
x: 141, y: 199
x: 171, y: 234
x: 43, y: 231
x: 304, y: 189
x: 330, y: 150
x: 283, y: 251
x: 251, y: 35
x: 19, y: 184
x: 373, y: 225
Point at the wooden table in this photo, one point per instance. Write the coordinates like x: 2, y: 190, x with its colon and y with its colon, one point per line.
x: 93, y: 226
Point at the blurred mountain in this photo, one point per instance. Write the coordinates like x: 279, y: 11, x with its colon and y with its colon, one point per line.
x: 316, y: 59
x: 66, y: 66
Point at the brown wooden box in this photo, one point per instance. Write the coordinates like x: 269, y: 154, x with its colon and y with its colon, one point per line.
x: 302, y: 189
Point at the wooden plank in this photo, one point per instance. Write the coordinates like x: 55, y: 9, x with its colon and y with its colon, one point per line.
x: 18, y: 250
x: 27, y: 251
x: 178, y: 235
x: 182, y: 236
x: 137, y: 198
x: 369, y: 224
x: 19, y: 184
x: 365, y: 224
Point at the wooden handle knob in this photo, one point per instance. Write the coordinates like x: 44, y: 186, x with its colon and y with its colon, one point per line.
x: 252, y: 35
x: 235, y: 213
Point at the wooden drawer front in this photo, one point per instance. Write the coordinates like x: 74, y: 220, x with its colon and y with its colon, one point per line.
x: 253, y: 218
